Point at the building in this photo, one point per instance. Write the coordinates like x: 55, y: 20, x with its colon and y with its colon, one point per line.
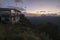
x: 9, y: 15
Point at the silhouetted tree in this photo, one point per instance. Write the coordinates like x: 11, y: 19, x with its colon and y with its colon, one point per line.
x: 24, y: 21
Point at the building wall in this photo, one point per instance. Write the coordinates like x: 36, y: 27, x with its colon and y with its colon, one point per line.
x: 15, y: 19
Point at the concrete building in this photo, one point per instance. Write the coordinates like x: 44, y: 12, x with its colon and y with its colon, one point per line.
x: 9, y: 15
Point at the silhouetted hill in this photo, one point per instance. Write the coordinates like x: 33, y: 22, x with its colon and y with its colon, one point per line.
x: 42, y: 19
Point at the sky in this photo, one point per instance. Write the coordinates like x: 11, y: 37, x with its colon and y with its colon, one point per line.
x: 35, y: 5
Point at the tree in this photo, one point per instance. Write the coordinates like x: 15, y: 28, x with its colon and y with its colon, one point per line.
x: 24, y: 21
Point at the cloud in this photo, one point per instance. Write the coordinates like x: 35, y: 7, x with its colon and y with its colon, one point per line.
x: 58, y: 6
x: 19, y: 1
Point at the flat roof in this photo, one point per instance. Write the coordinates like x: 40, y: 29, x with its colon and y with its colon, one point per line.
x: 9, y: 9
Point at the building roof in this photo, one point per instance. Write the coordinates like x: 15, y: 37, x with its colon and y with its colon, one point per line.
x: 9, y: 9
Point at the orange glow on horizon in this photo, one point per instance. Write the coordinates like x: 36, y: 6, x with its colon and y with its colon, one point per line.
x: 40, y: 12
x: 31, y: 12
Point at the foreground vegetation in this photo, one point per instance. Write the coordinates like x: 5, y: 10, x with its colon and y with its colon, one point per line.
x: 27, y: 31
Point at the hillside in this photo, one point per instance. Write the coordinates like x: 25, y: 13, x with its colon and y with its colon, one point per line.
x: 24, y: 30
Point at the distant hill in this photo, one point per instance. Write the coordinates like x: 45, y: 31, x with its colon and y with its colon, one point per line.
x: 42, y: 19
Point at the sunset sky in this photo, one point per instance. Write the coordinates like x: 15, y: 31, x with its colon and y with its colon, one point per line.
x: 35, y: 5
